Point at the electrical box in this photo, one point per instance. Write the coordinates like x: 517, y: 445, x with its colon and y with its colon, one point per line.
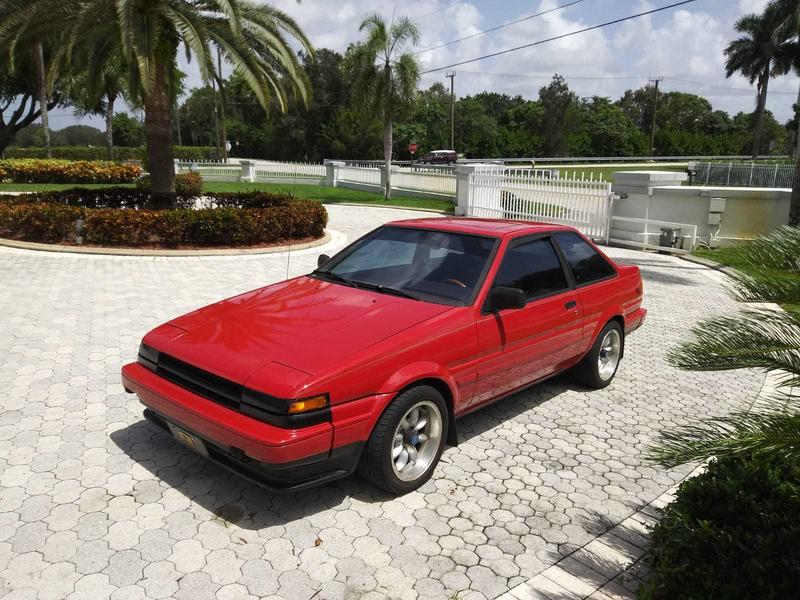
x: 716, y: 205
x: 714, y: 218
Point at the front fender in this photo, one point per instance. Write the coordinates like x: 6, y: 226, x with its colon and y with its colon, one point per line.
x: 418, y: 371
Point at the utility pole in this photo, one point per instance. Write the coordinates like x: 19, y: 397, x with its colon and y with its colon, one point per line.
x: 656, y: 81
x: 452, y: 76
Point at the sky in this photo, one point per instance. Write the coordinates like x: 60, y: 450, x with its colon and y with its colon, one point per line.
x: 683, y: 45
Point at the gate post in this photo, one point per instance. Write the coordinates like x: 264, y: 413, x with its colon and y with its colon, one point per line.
x: 465, y: 196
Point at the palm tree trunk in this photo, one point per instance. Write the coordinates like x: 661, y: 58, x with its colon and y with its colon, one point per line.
x: 763, y: 83
x: 158, y: 134
x: 387, y: 157
x: 110, y: 125
x: 222, y: 108
x: 41, y: 86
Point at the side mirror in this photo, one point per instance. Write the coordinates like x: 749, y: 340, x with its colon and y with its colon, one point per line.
x: 501, y: 298
x: 322, y: 259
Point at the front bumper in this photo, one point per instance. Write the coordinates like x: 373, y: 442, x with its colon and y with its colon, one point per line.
x: 273, y: 457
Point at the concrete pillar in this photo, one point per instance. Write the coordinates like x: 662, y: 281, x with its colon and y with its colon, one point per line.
x: 490, y: 197
x: 248, y: 171
x: 332, y: 172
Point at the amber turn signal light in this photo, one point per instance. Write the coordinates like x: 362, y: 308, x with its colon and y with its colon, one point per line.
x: 301, y: 406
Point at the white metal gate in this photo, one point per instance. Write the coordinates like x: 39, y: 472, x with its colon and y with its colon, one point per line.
x: 583, y: 204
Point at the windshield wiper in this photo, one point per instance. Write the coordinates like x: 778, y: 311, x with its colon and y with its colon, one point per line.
x: 387, y: 290
x: 333, y: 277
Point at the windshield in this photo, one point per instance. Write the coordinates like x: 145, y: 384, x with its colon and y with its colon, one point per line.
x: 435, y: 266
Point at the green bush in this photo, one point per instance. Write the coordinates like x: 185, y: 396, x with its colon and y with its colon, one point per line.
x: 30, y: 170
x: 731, y: 532
x: 120, y: 218
x: 186, y: 184
x: 100, y: 153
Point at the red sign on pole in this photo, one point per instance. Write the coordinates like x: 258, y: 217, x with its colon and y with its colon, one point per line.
x: 412, y: 147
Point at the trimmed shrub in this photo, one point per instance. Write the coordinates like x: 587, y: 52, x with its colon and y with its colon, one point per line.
x: 65, y: 171
x: 731, y: 532
x: 120, y: 153
x: 186, y: 184
x: 120, y: 219
x: 49, y: 223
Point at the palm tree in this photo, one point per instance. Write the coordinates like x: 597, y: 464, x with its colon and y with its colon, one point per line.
x: 384, y: 82
x: 41, y: 89
x: 759, y: 55
x: 788, y: 16
x: 763, y: 339
x: 253, y: 37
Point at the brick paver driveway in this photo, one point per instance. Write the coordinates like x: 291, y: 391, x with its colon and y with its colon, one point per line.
x: 96, y: 503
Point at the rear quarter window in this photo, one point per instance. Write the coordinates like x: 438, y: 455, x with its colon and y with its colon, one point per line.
x: 586, y: 264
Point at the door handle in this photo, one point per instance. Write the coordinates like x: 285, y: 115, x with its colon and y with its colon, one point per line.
x: 571, y: 304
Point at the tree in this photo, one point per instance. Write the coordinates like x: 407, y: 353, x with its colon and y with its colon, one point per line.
x: 148, y: 33
x: 753, y: 339
x: 610, y: 131
x: 759, y: 55
x: 41, y: 91
x: 19, y: 106
x: 788, y: 28
x: 96, y: 93
x: 383, y: 80
x: 560, y: 116
x: 127, y: 131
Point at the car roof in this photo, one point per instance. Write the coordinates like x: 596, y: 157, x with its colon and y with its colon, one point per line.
x: 479, y: 226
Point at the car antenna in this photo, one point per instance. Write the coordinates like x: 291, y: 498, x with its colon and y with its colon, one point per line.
x: 289, y: 249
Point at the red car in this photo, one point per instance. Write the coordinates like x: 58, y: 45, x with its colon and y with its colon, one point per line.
x: 367, y: 362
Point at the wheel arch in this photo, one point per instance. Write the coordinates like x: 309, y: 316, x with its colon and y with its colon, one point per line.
x: 441, y: 386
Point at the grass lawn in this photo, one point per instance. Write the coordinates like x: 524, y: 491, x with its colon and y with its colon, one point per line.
x: 329, y: 195
x: 324, y: 194
x: 735, y: 257
x: 604, y: 173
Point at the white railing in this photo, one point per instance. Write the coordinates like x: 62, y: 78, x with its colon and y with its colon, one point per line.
x: 279, y: 170
x: 210, y: 171
x: 742, y: 174
x: 435, y: 183
x: 365, y: 175
x: 580, y: 204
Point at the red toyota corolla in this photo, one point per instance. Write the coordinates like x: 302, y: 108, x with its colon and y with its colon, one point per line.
x: 367, y: 362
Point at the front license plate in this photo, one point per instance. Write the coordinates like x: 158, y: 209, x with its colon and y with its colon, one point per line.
x: 187, y: 439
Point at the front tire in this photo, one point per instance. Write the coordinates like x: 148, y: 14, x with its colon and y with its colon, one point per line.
x: 407, y: 441
x: 598, y: 367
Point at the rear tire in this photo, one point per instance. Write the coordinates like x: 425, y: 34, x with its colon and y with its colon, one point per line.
x: 407, y: 441
x: 599, y: 366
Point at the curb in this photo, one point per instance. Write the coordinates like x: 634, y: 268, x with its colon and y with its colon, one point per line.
x: 101, y: 251
x: 393, y: 207
x: 710, y: 264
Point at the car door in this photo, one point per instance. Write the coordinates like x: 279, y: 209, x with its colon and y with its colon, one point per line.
x: 594, y: 279
x: 520, y: 346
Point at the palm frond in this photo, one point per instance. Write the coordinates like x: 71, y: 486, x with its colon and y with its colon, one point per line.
x: 776, y: 433
x: 756, y: 339
x: 771, y: 287
x: 778, y: 249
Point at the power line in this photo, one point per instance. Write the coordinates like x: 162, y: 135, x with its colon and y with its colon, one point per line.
x: 550, y: 75
x: 485, y: 31
x: 558, y: 37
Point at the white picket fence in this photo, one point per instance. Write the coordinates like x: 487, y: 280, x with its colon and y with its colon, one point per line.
x: 579, y: 203
x: 273, y: 170
x: 423, y: 181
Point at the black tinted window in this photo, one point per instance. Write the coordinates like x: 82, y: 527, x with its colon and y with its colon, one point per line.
x: 532, y: 267
x: 586, y: 264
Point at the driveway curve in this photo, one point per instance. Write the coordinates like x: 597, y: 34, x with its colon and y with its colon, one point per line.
x: 97, y: 503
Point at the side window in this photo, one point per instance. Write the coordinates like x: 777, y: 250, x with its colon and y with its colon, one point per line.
x: 586, y: 264
x: 532, y: 267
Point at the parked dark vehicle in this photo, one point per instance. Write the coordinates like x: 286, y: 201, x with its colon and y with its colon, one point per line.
x: 440, y: 157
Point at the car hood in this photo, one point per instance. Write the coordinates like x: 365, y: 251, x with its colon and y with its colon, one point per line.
x: 305, y: 324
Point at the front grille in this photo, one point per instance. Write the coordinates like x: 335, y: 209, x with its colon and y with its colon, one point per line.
x: 200, y: 382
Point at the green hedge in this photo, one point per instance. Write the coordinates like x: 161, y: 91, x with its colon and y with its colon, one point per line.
x: 100, y: 153
x: 34, y: 170
x: 731, y: 532
x: 120, y: 219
